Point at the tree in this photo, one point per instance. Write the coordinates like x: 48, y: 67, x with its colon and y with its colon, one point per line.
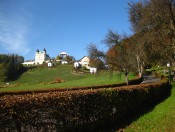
x: 58, y: 57
x: 70, y: 59
x: 118, y: 55
x: 94, y: 52
x: 96, y: 56
x: 10, y: 66
x: 118, y: 60
x: 155, y: 20
x: 96, y: 62
x: 137, y: 53
x: 112, y: 39
x: 3, y: 73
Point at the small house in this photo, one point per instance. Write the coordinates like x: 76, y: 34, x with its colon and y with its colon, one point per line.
x: 49, y: 64
x: 93, y: 70
x: 77, y: 65
x: 63, y: 55
x: 85, y: 61
x: 64, y: 62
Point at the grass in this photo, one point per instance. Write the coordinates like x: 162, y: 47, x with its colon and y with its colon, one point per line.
x: 40, y: 78
x: 44, y: 74
x: 160, y: 119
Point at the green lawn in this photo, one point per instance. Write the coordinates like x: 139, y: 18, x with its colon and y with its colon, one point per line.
x: 40, y: 78
x: 160, y: 119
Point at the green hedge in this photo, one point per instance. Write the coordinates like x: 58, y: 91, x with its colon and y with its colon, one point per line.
x: 77, y: 110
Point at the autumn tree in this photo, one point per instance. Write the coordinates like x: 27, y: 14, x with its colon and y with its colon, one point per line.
x: 155, y: 20
x: 118, y: 55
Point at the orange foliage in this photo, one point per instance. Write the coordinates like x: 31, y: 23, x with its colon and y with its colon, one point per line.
x: 112, y: 52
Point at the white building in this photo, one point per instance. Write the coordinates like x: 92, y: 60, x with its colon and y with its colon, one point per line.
x: 62, y: 58
x: 84, y: 62
x: 41, y: 57
x: 77, y: 65
x: 93, y: 70
x: 64, y: 62
x: 32, y: 62
x: 63, y: 55
x: 49, y: 64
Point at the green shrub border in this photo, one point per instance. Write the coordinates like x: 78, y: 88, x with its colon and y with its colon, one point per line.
x: 78, y: 110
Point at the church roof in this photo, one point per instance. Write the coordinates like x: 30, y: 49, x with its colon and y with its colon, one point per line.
x: 63, y: 53
x: 82, y: 58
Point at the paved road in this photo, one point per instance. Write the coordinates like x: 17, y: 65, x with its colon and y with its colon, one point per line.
x: 150, y: 79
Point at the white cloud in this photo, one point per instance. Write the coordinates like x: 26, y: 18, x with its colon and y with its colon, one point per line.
x: 13, y: 33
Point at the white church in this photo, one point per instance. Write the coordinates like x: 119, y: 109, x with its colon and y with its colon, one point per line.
x: 40, y: 57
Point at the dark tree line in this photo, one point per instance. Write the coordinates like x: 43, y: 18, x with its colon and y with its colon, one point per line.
x: 10, y: 66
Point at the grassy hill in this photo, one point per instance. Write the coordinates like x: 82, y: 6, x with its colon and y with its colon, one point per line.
x: 44, y: 74
x: 42, y: 78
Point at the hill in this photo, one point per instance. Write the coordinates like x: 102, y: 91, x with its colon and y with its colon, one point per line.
x: 43, y: 78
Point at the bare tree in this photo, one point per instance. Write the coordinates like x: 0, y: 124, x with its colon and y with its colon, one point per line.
x: 137, y: 53
x: 97, y: 56
x: 94, y: 52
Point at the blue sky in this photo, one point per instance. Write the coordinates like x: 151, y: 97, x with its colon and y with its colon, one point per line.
x: 59, y: 25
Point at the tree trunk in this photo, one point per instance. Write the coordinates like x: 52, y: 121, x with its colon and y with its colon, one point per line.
x: 139, y: 66
x: 126, y: 80
x: 141, y: 71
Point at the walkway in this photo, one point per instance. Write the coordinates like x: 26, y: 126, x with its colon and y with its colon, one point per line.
x: 150, y: 79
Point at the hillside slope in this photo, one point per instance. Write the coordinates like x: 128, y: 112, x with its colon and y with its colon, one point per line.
x: 43, y: 78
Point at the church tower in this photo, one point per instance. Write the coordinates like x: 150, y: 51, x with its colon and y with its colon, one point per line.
x: 40, y: 57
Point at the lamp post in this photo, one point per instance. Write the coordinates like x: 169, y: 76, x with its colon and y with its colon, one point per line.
x: 169, y: 81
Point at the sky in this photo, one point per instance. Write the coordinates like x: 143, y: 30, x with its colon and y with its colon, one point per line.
x: 59, y: 25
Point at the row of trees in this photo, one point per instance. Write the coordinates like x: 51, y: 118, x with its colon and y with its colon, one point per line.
x: 10, y: 66
x: 152, y: 41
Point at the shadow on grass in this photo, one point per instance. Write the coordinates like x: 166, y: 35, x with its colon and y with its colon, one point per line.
x: 21, y: 71
x: 119, y: 125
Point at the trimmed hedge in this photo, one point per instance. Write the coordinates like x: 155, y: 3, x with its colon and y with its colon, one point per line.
x: 77, y: 110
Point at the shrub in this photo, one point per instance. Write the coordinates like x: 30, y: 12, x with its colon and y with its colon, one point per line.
x: 58, y: 80
x: 79, y: 109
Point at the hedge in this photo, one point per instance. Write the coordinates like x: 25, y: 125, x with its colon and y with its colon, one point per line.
x: 77, y: 110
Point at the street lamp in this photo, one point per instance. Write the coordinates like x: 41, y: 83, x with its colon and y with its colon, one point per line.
x: 169, y: 81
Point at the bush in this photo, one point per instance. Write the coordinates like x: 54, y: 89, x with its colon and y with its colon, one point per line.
x: 57, y: 80
x: 77, y: 110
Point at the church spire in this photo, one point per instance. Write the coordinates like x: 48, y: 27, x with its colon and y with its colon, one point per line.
x: 44, y: 50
